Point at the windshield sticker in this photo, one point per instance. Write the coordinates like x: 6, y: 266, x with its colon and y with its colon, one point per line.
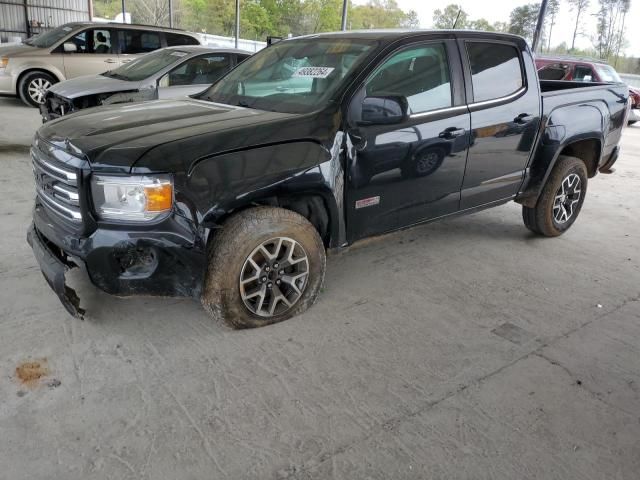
x: 178, y: 54
x: 313, y: 72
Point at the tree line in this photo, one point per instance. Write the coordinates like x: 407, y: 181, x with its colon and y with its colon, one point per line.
x: 260, y: 18
x: 608, y: 39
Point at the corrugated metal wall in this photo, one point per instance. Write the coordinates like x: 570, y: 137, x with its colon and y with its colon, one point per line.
x: 41, y: 15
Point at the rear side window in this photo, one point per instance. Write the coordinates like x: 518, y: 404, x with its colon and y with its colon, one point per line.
x: 205, y: 69
x: 420, y: 74
x: 140, y: 41
x: 495, y: 70
x: 176, y: 40
x: 554, y: 72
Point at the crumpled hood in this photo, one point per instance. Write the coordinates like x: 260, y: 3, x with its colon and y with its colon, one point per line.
x: 115, y: 137
x: 91, y: 85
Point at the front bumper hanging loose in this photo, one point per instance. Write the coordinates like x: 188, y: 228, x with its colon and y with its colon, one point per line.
x: 54, y: 270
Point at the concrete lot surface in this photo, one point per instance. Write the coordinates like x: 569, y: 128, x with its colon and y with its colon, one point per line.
x: 465, y: 349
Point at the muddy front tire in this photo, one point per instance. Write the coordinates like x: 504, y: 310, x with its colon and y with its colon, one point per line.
x: 561, y: 199
x: 266, y: 265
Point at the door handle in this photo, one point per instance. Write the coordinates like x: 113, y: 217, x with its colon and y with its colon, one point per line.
x: 452, y: 132
x: 523, y: 118
x: 127, y: 60
x: 110, y: 60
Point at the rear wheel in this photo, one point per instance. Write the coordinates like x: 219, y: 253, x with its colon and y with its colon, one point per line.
x: 33, y: 87
x: 561, y: 199
x: 266, y: 265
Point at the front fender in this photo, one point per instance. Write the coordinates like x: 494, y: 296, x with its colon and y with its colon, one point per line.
x: 224, y: 183
x: 38, y: 65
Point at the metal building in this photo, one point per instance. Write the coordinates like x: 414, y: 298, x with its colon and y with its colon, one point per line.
x: 24, y: 18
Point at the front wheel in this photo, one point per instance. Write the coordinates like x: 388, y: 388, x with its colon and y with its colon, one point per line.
x: 561, y: 199
x: 266, y: 265
x: 33, y: 87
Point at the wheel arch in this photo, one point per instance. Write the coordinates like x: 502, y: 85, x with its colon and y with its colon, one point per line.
x: 54, y: 72
x: 587, y: 148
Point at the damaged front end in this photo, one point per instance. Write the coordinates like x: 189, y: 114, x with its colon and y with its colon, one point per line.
x: 56, y: 106
x: 54, y: 267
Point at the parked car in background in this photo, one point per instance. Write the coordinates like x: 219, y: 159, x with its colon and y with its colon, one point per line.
x: 585, y: 70
x: 166, y: 73
x: 76, y: 49
x: 634, y: 114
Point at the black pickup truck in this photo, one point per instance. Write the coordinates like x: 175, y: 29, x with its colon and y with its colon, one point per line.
x: 233, y: 196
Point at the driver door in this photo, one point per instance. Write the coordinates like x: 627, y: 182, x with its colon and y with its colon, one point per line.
x: 95, y: 53
x: 408, y: 172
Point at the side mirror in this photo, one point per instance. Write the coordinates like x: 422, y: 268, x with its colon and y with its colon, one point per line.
x: 164, y: 81
x: 70, y: 47
x: 384, y: 110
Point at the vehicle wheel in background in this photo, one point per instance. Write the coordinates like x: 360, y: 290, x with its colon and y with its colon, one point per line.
x: 33, y: 86
x: 561, y: 199
x: 266, y: 265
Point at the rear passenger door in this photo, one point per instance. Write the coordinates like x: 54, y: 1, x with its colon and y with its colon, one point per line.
x: 505, y: 112
x: 95, y: 53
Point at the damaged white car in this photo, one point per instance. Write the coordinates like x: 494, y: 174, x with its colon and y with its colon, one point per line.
x: 167, y: 73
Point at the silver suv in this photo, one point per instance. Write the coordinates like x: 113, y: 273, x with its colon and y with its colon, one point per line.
x: 75, y: 49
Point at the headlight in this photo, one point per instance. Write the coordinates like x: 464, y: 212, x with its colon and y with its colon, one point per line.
x: 136, y: 198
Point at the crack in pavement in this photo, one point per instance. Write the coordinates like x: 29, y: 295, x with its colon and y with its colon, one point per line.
x: 394, y: 422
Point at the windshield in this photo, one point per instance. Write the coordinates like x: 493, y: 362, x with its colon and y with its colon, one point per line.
x: 47, y: 39
x: 147, y: 65
x: 607, y: 73
x: 293, y: 76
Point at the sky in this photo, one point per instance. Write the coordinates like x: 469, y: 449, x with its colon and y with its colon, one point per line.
x: 498, y: 10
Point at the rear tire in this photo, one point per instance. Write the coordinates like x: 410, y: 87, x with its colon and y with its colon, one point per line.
x: 266, y: 265
x: 561, y: 199
x: 33, y: 86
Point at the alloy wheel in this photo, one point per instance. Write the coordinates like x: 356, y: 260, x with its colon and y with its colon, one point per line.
x: 274, y: 277
x: 566, y: 198
x: 38, y: 88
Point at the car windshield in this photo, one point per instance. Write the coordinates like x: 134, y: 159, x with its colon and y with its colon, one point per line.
x: 147, y: 65
x: 292, y: 76
x: 607, y: 73
x: 47, y: 39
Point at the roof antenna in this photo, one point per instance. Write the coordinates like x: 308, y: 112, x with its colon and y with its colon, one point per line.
x: 457, y: 17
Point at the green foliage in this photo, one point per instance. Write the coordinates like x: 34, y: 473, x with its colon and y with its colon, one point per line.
x: 523, y: 19
x: 259, y: 18
x: 446, y: 18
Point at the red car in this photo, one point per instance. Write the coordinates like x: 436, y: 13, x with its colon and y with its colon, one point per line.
x: 585, y: 70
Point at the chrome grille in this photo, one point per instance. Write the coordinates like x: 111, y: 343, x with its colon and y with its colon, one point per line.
x: 56, y: 186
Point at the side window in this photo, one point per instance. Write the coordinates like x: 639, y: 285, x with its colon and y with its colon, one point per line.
x: 92, y: 41
x: 582, y: 72
x: 205, y: 69
x: 177, y: 40
x: 554, y: 72
x: 241, y: 58
x: 139, y: 41
x: 495, y: 70
x: 421, y: 74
